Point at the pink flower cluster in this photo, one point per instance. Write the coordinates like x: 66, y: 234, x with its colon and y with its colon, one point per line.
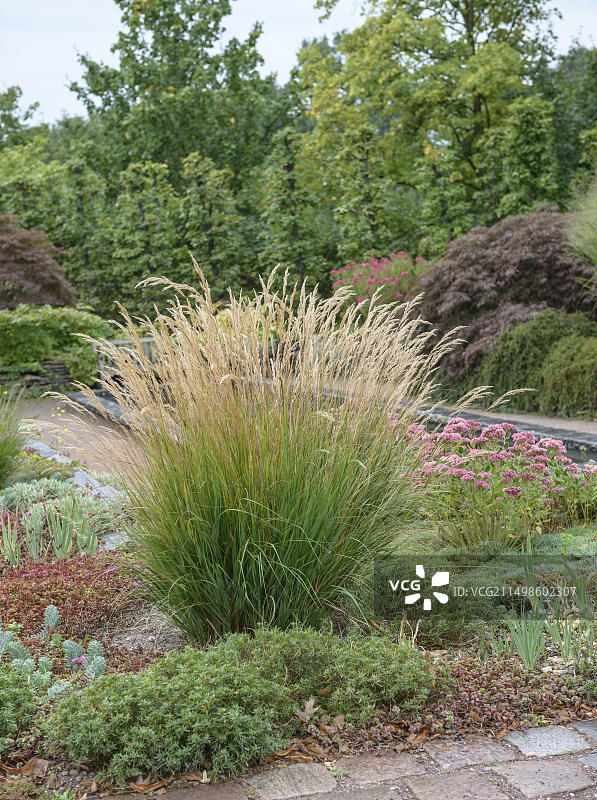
x: 478, y: 466
x: 391, y: 277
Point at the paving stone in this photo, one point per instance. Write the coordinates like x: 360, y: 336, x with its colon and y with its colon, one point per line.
x: 555, y: 740
x: 590, y: 761
x: 373, y: 768
x: 588, y: 727
x: 456, y: 753
x: 295, y: 780
x: 374, y: 793
x: 538, y: 778
x: 456, y: 786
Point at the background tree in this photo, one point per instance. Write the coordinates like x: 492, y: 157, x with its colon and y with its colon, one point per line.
x: 298, y: 234
x: 145, y: 239
x: 211, y: 224
x: 434, y: 79
x: 13, y: 127
x: 172, y: 93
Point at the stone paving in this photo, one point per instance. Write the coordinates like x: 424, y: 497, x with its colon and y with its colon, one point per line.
x: 548, y: 763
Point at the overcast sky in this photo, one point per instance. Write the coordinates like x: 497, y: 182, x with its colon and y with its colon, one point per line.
x: 40, y: 39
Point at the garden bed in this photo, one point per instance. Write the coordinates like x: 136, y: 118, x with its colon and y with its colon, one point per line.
x: 257, y: 529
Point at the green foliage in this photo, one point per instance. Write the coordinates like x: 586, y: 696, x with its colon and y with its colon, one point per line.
x: 211, y: 224
x: 31, y: 467
x: 25, y: 495
x: 144, y: 236
x: 174, y: 92
x: 12, y: 120
x: 298, y: 234
x: 17, y: 705
x: 417, y: 112
x: 524, y: 145
x: 571, y: 86
x: 569, y: 378
x: 12, y: 437
x: 428, y: 119
x: 521, y: 355
x: 234, y: 703
x: 583, y: 226
x: 43, y: 333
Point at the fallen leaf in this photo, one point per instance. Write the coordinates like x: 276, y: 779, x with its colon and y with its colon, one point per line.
x: 502, y: 733
x: 144, y: 788
x: 475, y: 716
x: 35, y: 767
x: 52, y: 782
x: 10, y: 770
x: 399, y: 747
x: 191, y: 776
x: 415, y: 738
x: 317, y: 751
x: 309, y: 709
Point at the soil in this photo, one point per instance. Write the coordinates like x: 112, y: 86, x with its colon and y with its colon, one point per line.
x: 149, y: 630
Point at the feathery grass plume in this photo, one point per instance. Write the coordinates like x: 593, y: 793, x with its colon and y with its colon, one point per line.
x: 263, y: 476
x: 12, y: 432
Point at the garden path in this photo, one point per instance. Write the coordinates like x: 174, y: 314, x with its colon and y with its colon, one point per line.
x: 578, y: 425
x: 540, y: 764
x: 76, y: 434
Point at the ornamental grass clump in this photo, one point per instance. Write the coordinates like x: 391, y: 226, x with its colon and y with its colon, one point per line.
x: 262, y: 480
x: 12, y: 435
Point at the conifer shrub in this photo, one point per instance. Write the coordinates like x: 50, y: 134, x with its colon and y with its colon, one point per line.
x: 521, y: 355
x: 569, y: 378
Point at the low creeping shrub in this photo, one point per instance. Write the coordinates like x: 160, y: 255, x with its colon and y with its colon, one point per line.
x: 22, y: 496
x: 233, y: 704
x: 497, y: 693
x: 17, y: 705
x: 32, y: 466
x: 89, y: 592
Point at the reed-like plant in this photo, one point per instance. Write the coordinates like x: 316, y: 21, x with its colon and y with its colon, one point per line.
x: 263, y: 476
x: 10, y: 547
x: 12, y: 435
